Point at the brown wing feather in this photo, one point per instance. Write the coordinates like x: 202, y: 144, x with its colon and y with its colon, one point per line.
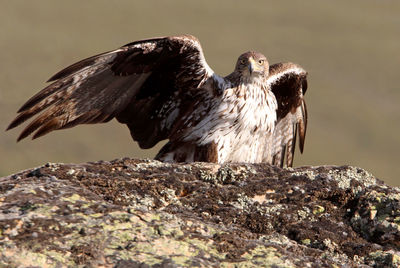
x: 288, y: 82
x: 139, y: 84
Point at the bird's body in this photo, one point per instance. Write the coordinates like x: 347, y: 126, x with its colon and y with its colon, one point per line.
x: 234, y: 125
x: 162, y: 88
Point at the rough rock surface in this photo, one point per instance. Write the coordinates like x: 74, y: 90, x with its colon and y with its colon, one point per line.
x: 144, y: 213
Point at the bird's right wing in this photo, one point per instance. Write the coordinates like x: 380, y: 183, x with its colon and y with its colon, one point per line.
x: 145, y: 84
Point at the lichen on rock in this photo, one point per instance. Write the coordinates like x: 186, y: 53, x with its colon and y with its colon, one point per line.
x: 130, y: 212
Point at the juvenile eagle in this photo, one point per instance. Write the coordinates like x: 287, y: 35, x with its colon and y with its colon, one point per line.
x: 162, y: 88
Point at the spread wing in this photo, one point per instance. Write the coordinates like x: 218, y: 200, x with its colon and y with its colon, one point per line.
x: 288, y: 82
x: 142, y: 84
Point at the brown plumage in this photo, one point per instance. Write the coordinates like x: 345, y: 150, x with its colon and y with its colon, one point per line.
x: 162, y: 88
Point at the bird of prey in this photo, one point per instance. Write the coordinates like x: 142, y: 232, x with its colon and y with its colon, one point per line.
x: 163, y: 89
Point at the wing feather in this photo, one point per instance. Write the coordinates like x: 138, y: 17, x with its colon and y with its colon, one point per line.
x: 134, y: 84
x: 288, y: 82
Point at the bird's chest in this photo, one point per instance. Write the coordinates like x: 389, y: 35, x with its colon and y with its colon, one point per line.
x: 239, y: 124
x: 249, y: 112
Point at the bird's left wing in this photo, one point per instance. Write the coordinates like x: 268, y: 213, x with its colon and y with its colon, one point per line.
x: 143, y: 84
x: 288, y: 82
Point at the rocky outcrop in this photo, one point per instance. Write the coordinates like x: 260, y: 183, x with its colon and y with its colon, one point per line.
x: 144, y: 213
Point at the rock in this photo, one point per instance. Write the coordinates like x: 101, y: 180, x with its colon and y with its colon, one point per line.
x: 144, y: 213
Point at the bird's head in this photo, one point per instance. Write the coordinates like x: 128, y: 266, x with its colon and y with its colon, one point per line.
x: 252, y: 65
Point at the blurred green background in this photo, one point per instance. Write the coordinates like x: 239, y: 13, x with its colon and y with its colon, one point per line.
x: 350, y: 49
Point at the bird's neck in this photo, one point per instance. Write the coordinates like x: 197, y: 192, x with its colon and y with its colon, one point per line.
x: 250, y: 87
x: 236, y: 79
x: 253, y: 80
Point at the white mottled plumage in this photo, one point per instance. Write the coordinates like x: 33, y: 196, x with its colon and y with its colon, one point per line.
x: 163, y: 88
x: 242, y: 133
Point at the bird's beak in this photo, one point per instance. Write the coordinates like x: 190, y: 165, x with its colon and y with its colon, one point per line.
x: 252, y: 65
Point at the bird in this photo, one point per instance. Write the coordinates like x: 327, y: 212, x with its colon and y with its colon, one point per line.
x: 163, y: 89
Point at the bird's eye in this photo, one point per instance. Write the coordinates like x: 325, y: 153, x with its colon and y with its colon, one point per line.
x: 242, y: 61
x: 260, y: 62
